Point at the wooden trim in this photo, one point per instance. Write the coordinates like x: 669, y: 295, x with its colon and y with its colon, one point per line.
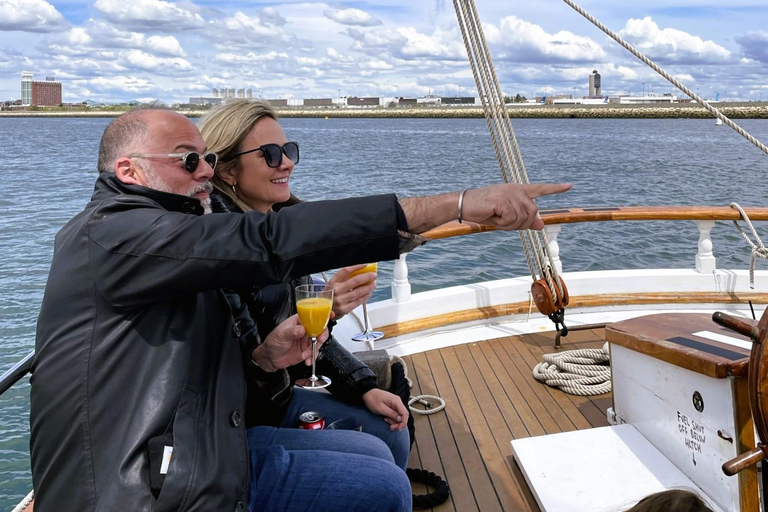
x: 690, y: 359
x: 611, y: 214
x: 749, y: 498
x: 581, y: 301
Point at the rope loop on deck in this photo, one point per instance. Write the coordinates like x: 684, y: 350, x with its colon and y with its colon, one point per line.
x: 758, y: 249
x: 582, y: 372
x: 422, y: 399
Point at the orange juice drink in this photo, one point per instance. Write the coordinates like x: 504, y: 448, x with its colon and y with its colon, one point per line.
x: 314, y: 313
x: 371, y: 267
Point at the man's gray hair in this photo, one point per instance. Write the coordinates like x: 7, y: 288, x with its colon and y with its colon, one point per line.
x: 123, y: 136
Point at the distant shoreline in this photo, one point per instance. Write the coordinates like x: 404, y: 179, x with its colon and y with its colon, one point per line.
x: 676, y: 111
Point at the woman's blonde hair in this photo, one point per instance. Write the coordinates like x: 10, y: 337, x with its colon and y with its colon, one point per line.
x: 224, y: 128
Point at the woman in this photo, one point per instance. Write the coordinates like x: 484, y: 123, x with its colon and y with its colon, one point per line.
x: 253, y: 173
x: 671, y: 500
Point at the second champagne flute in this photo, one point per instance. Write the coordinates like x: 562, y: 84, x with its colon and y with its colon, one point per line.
x: 314, y: 303
x: 367, y: 335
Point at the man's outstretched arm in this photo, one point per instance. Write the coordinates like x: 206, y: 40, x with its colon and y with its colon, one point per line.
x: 506, y: 206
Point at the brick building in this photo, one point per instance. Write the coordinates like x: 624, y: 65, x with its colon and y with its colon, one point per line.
x: 46, y: 94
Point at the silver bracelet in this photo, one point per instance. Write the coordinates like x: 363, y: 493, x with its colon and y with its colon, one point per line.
x: 461, y: 202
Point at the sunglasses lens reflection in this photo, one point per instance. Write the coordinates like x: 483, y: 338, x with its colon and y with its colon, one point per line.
x: 292, y: 151
x: 273, y: 154
x: 191, y: 161
x: 211, y: 159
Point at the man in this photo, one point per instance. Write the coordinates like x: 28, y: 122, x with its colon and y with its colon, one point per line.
x: 137, y: 399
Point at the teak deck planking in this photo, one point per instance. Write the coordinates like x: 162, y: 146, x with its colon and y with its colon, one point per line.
x: 491, y: 398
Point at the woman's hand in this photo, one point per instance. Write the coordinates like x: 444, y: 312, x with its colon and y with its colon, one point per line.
x: 388, y: 405
x: 350, y: 292
x: 287, y: 345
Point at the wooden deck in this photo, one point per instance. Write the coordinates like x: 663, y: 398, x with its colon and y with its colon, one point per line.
x: 491, y: 398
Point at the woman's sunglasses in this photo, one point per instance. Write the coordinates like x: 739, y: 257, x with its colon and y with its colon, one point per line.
x: 273, y: 153
x: 191, y: 160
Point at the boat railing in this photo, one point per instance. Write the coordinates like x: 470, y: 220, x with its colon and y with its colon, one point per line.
x: 16, y: 373
x: 704, y: 217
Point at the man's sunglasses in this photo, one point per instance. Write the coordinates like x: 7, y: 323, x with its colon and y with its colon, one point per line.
x: 191, y: 160
x: 273, y: 153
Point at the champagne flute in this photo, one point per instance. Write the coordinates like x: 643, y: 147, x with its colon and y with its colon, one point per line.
x: 314, y: 303
x: 367, y: 335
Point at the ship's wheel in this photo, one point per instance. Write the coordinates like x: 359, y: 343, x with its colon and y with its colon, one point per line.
x: 758, y: 387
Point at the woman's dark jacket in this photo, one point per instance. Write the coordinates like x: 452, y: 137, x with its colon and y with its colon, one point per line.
x: 136, y: 341
x: 268, y: 306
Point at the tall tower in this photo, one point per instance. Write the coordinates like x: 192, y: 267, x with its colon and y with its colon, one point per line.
x: 26, y: 88
x: 595, y: 89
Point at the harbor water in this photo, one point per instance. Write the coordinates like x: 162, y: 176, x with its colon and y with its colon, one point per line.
x: 48, y: 167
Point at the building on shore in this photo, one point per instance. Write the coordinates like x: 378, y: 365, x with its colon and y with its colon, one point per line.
x: 650, y: 99
x: 26, y: 88
x: 457, y: 100
x: 595, y: 85
x: 39, y: 93
x: 353, y: 101
x: 318, y: 102
x: 204, y: 100
x: 581, y: 101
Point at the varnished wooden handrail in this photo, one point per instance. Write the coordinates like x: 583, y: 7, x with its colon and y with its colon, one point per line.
x: 610, y: 214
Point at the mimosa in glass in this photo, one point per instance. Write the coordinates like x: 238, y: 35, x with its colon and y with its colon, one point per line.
x: 367, y: 335
x: 313, y: 304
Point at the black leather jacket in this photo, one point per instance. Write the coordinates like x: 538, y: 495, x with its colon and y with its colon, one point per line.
x: 135, y: 339
x: 268, y: 306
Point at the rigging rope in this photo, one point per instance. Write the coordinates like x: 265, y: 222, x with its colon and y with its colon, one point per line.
x: 535, y: 243
x: 758, y: 249
x: 712, y: 110
x: 582, y: 372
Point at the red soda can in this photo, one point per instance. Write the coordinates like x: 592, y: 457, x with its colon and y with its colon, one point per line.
x: 311, y: 420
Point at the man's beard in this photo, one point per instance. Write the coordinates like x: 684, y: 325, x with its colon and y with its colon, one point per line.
x: 154, y: 181
x: 206, y: 203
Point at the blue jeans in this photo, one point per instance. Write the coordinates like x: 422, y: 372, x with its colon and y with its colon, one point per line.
x: 297, y: 470
x: 333, y: 409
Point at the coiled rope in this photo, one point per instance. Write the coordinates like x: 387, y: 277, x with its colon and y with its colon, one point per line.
x: 758, y: 249
x: 436, y: 497
x: 582, y: 372
x: 712, y: 110
x: 422, y: 399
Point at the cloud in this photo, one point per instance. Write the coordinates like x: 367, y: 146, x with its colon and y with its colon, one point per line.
x: 93, y: 36
x: 755, y: 45
x: 30, y: 16
x: 408, y: 44
x: 119, y: 83
x: 165, y: 45
x: 137, y: 59
x: 246, y: 32
x: 151, y: 14
x: 270, y: 16
x: 671, y: 45
x: 522, y: 41
x: 251, y: 58
x: 354, y: 17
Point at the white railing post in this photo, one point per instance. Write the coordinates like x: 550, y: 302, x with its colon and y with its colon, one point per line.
x: 705, y: 258
x: 551, y: 231
x: 401, y: 288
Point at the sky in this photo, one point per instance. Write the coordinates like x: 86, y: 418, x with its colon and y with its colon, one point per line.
x: 124, y: 50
